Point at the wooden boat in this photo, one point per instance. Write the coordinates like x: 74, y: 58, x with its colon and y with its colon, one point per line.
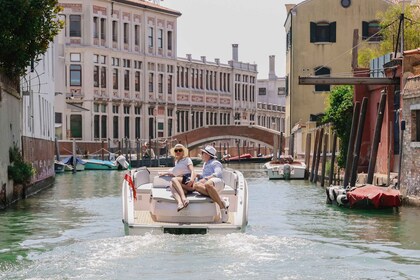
x: 96, y: 164
x: 285, y: 168
x: 148, y: 206
x: 59, y: 166
x: 365, y: 197
x: 246, y: 158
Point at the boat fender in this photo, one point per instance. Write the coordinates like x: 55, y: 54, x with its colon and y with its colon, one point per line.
x: 342, y: 199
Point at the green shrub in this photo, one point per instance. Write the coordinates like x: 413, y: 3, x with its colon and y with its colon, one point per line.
x: 19, y: 170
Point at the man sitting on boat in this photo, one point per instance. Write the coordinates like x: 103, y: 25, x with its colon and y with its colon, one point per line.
x: 210, y: 182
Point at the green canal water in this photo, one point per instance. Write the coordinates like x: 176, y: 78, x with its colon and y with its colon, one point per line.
x: 74, y: 231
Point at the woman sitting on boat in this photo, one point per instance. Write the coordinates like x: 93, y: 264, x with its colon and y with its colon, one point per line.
x: 182, y: 173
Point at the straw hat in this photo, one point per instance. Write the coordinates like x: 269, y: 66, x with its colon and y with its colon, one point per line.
x: 179, y: 146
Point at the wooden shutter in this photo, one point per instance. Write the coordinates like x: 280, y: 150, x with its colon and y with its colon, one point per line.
x: 333, y: 28
x: 313, y: 32
x: 365, y: 30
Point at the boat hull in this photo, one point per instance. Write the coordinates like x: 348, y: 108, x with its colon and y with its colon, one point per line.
x: 364, y: 197
x: 152, y: 208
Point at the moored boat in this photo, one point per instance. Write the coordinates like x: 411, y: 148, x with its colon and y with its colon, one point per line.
x: 285, y: 168
x: 246, y: 158
x: 80, y: 164
x: 148, y: 206
x: 96, y: 164
x: 366, y: 197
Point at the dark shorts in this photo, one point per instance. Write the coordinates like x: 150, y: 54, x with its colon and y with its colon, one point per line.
x: 186, y: 178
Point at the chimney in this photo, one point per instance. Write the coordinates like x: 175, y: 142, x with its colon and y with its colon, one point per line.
x: 203, y: 58
x: 189, y: 57
x: 272, y: 72
x: 217, y: 60
x: 235, y: 52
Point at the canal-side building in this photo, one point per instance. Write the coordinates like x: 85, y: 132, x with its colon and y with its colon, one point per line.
x: 118, y: 65
x: 271, y: 99
x: 319, y: 43
x: 38, y: 132
x: 11, y: 127
x: 410, y: 166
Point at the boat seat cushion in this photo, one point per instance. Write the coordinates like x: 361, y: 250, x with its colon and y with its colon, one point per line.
x: 195, y: 197
x: 141, y: 176
x: 162, y: 181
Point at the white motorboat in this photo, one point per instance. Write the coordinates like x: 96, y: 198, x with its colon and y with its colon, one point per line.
x: 285, y: 168
x: 148, y: 206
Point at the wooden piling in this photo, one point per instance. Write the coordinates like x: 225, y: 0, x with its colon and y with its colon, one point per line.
x: 318, y: 154
x: 324, y: 160
x: 334, y: 148
x: 314, y: 156
x: 350, y: 149
x: 376, y: 139
x: 358, y: 142
x: 307, y: 154
x: 280, y: 143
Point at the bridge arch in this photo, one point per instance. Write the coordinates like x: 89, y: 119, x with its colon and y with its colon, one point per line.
x: 200, y: 136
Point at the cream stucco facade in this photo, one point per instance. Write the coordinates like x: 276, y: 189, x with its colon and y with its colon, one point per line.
x: 325, y: 50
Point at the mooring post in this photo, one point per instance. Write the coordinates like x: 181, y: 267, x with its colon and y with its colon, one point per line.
x: 314, y: 156
x: 334, y: 148
x: 307, y: 155
x: 324, y: 160
x: 358, y: 142
x: 350, y: 148
x: 376, y: 139
x: 318, y: 156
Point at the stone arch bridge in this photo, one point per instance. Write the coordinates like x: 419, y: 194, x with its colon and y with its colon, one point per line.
x: 204, y: 135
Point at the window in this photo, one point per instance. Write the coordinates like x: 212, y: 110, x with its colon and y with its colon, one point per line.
x: 115, y: 133
x: 160, y: 83
x: 114, y: 31
x: 262, y: 91
x: 169, y: 40
x: 126, y: 80
x: 127, y: 127
x: 95, y: 27
x: 103, y: 28
x: 170, y: 84
x: 137, y: 81
x: 75, y: 26
x: 75, y: 75
x: 281, y: 91
x: 415, y: 125
x: 115, y: 79
x: 137, y: 35
x: 370, y: 31
x: 103, y: 77
x: 126, y: 34
x: 96, y: 76
x: 151, y: 82
x: 160, y: 38
x: 104, y: 133
x: 76, y: 126
x: 323, y: 32
x: 150, y: 37
x: 322, y: 71
x: 289, y: 39
x: 96, y: 126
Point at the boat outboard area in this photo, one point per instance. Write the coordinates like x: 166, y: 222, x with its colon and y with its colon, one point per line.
x: 149, y: 207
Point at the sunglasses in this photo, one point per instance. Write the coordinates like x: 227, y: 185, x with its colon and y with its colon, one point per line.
x: 178, y: 150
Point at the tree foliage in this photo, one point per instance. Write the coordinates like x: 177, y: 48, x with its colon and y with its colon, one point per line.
x: 26, y: 29
x: 390, y: 20
x: 339, y: 112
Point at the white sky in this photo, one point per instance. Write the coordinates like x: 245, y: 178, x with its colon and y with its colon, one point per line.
x: 210, y: 27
